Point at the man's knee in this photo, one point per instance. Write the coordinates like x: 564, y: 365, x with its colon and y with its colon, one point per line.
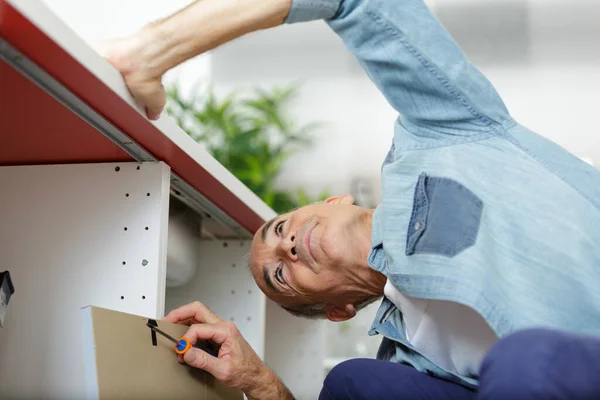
x: 362, y: 379
x: 530, y: 345
x: 522, y: 365
x: 340, y: 380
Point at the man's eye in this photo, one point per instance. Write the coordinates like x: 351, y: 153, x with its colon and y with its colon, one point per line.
x: 279, y: 275
x: 279, y: 228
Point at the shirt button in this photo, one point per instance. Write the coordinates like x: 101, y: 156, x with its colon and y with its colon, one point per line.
x: 417, y: 226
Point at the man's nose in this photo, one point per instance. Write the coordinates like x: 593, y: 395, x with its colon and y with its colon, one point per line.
x: 287, y: 248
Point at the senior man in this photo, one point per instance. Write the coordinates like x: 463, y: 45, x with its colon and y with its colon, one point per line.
x: 485, y: 247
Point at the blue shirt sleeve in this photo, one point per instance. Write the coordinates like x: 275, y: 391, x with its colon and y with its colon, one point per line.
x: 413, y: 61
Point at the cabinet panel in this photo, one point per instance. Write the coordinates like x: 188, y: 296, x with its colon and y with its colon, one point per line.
x: 72, y: 236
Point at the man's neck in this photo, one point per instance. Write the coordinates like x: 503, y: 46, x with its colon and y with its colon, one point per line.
x: 366, y: 281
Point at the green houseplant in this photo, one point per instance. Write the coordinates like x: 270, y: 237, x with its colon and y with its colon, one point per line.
x: 251, y: 135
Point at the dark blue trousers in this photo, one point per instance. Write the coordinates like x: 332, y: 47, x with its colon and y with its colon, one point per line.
x: 531, y: 364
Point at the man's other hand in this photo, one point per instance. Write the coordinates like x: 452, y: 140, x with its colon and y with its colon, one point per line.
x: 237, y: 364
x: 147, y: 55
x: 128, y: 55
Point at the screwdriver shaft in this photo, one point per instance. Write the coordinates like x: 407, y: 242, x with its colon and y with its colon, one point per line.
x: 155, y: 328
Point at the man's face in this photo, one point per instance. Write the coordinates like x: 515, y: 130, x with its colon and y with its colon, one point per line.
x: 302, y: 257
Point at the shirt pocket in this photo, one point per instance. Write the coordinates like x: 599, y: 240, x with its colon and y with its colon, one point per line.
x: 445, y: 218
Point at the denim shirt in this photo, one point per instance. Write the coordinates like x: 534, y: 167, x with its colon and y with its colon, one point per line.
x: 476, y: 208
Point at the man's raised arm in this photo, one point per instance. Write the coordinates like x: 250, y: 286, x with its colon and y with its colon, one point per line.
x: 144, y: 57
x: 401, y: 45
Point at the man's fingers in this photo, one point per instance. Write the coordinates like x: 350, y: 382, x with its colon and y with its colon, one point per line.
x: 150, y: 93
x: 152, y: 115
x: 146, y: 88
x: 236, y: 365
x: 155, y: 102
x: 200, y: 359
x: 216, y: 333
x: 195, y: 311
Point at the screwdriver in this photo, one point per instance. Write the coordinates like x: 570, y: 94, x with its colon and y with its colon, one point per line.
x: 182, y: 345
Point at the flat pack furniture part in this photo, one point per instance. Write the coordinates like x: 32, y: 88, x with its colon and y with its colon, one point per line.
x: 124, y: 361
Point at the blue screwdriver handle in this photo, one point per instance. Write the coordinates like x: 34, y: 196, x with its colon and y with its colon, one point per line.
x: 184, y: 345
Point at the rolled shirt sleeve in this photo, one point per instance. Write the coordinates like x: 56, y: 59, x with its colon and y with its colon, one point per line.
x: 310, y: 10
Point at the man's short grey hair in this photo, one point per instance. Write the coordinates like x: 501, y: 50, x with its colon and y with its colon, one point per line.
x: 317, y: 310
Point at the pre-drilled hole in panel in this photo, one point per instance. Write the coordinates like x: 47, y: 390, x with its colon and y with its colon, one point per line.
x: 146, y: 228
x: 122, y: 297
x: 232, y: 319
x: 233, y: 292
x: 233, y: 265
x: 249, y: 291
x: 126, y: 194
x: 249, y: 318
x: 143, y: 297
x: 138, y: 168
x: 125, y: 228
x: 225, y: 244
x: 147, y: 194
x: 117, y: 169
x: 124, y: 263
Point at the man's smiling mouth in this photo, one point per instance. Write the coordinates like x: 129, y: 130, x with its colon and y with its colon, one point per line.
x: 307, y: 243
x: 306, y: 254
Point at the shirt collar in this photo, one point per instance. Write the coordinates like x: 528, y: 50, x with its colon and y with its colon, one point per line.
x: 377, y: 259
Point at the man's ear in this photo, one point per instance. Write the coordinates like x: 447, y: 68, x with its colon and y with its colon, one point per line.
x: 344, y: 199
x: 340, y: 313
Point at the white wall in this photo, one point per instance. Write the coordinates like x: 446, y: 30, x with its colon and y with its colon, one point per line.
x: 353, y: 141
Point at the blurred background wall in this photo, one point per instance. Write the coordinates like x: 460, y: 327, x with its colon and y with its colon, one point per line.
x: 543, y: 56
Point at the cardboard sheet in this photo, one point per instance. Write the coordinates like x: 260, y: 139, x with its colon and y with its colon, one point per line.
x: 123, y: 363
